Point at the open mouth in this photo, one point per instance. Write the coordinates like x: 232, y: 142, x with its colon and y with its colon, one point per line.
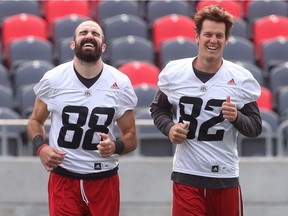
x: 212, y: 48
x: 88, y: 45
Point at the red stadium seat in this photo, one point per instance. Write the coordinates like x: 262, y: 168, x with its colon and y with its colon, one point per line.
x: 22, y: 25
x: 172, y: 26
x: 55, y: 9
x: 141, y: 72
x: 265, y: 101
x: 233, y: 7
x: 266, y: 28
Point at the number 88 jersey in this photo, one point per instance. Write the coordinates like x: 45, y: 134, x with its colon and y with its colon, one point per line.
x: 79, y: 114
x: 211, y: 140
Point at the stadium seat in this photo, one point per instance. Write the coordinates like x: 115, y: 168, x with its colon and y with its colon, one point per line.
x: 131, y: 48
x: 145, y: 94
x: 112, y: 8
x: 141, y: 72
x: 282, y: 103
x: 240, y: 28
x: 239, y: 49
x: 176, y: 48
x: 233, y: 7
x: 278, y: 78
x: 171, y: 26
x: 4, y: 76
x: 38, y: 49
x: 274, y: 52
x: 266, y: 28
x: 65, y: 26
x: 266, y: 143
x: 29, y: 72
x: 26, y: 100
x: 10, y: 8
x: 56, y: 9
x: 151, y: 141
x: 63, y: 53
x: 265, y: 101
x: 255, y: 70
x: 124, y: 25
x: 6, y: 97
x: 22, y: 25
x: 259, y: 9
x: 157, y: 9
x: 12, y: 138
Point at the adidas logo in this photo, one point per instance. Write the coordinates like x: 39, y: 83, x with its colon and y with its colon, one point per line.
x: 215, y: 168
x: 114, y: 86
x: 231, y: 82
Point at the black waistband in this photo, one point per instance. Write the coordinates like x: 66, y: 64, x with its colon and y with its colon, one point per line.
x: 91, y: 176
x: 204, y: 182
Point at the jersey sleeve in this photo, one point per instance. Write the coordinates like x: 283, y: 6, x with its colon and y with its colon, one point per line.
x: 43, y: 90
x: 164, y: 79
x: 129, y: 99
x: 251, y: 90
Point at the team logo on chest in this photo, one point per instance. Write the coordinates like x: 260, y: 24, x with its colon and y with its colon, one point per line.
x: 203, y: 88
x: 87, y: 93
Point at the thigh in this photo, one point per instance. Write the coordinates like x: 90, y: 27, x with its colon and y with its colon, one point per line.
x: 224, y: 202
x: 103, y: 196
x: 64, y: 196
x: 188, y: 201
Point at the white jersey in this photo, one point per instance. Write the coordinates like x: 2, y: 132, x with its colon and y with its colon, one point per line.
x: 210, y: 149
x: 79, y: 114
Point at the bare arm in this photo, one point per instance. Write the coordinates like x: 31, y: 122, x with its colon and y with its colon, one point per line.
x: 37, y: 120
x: 127, y: 129
x: 49, y: 157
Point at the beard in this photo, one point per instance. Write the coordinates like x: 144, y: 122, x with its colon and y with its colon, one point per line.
x: 89, y: 56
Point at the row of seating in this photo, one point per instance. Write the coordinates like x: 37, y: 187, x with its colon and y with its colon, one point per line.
x: 148, y: 10
x: 139, y: 72
x: 271, y: 142
x: 269, y: 32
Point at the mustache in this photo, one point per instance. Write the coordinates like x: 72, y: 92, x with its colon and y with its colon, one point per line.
x: 89, y: 40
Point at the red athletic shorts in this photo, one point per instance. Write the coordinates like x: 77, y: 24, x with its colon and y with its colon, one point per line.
x: 74, y: 197
x: 191, y: 201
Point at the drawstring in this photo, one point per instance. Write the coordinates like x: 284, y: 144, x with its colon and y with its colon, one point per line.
x: 83, y: 193
x: 204, y: 192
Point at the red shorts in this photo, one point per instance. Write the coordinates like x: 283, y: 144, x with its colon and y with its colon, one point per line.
x: 191, y: 201
x: 74, y: 197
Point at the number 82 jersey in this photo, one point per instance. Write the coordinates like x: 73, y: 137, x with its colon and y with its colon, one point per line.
x: 210, y: 148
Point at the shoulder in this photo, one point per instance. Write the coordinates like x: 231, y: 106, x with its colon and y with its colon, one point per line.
x: 237, y: 70
x: 59, y: 71
x: 112, y: 73
x: 173, y: 67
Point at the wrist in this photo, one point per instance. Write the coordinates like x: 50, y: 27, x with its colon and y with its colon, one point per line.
x: 119, y: 146
x: 39, y: 143
x: 40, y: 148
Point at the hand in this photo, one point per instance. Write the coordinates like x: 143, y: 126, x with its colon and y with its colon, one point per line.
x: 106, y: 147
x: 51, y: 158
x: 229, y: 110
x: 178, y: 133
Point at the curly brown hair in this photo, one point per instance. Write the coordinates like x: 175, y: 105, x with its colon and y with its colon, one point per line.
x: 214, y: 13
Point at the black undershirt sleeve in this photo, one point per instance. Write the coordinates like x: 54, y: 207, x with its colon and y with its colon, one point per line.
x: 248, y: 122
x: 162, y: 112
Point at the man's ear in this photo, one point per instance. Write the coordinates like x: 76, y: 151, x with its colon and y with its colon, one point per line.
x: 103, y: 47
x: 197, y: 39
x: 72, y: 45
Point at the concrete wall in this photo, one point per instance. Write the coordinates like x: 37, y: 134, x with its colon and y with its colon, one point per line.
x: 145, y: 186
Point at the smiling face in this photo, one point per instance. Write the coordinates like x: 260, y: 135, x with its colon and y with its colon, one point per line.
x: 212, y: 41
x: 88, y: 42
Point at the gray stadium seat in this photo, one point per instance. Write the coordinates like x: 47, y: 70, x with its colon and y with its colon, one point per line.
x: 10, y: 136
